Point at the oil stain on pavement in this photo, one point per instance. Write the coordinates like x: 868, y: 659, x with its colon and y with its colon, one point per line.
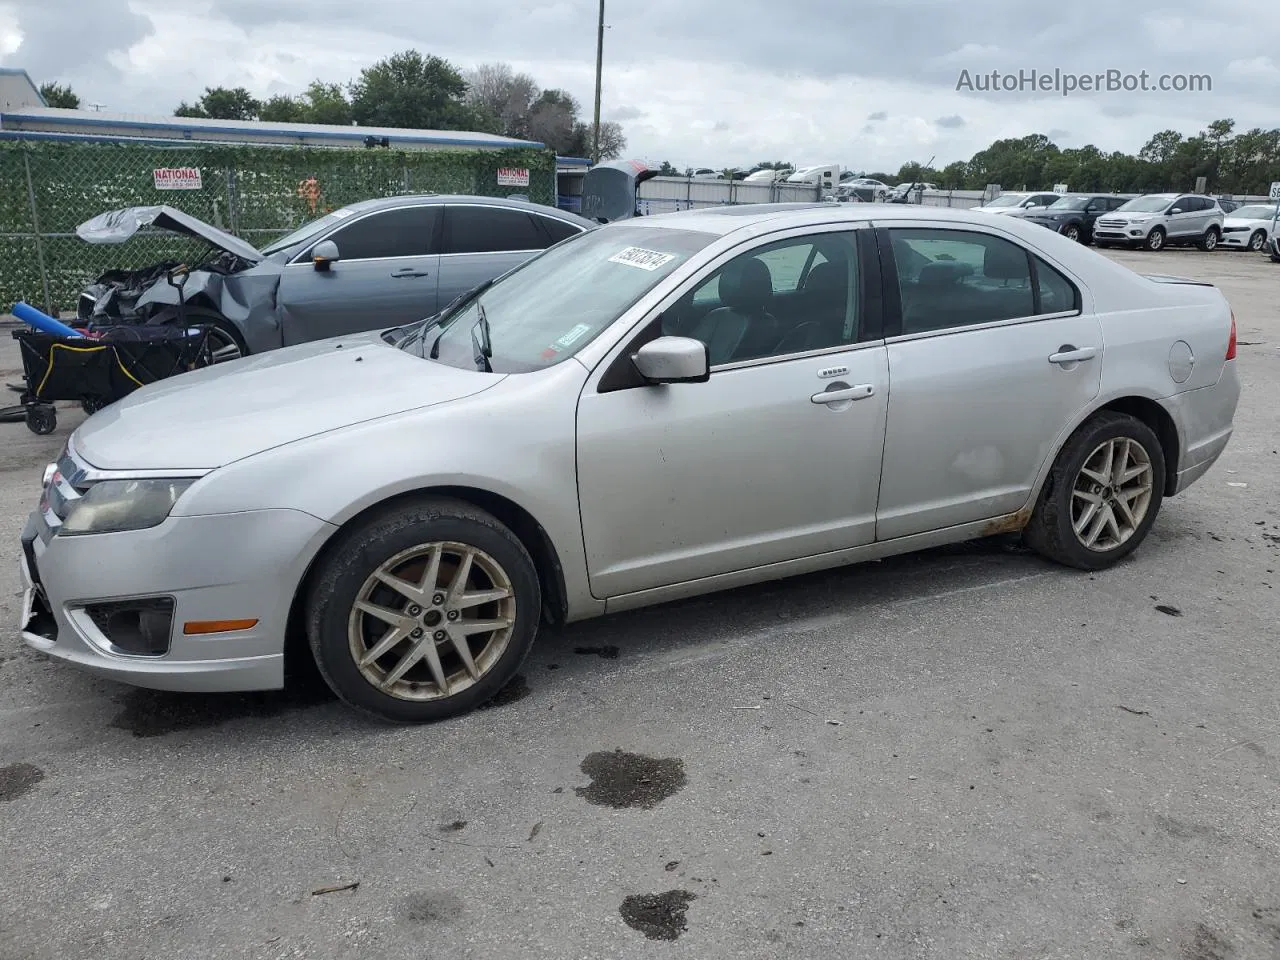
x: 659, y: 916
x: 621, y: 779
x: 18, y: 779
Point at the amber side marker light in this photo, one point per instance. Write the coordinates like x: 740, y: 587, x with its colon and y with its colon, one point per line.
x: 198, y: 627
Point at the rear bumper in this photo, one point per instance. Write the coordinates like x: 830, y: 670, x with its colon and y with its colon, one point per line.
x: 234, y: 566
x: 1204, y: 419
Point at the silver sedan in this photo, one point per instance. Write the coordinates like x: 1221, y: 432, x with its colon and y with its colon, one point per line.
x: 659, y: 408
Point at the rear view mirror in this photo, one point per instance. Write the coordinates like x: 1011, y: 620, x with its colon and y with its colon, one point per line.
x: 674, y: 360
x: 324, y: 254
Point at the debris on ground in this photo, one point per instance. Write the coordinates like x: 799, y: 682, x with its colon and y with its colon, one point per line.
x: 355, y: 884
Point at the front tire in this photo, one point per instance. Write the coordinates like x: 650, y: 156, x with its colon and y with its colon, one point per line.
x: 1256, y: 240
x: 1102, y: 495
x: 1072, y: 233
x: 1210, y: 240
x: 1155, y: 239
x: 424, y: 611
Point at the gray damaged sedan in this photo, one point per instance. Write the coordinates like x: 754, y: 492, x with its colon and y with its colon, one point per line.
x: 652, y: 410
x: 368, y: 265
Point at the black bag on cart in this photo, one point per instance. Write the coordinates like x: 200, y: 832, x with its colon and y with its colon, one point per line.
x: 99, y: 370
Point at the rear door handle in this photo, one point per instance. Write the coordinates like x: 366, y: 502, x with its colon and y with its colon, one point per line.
x: 1070, y: 354
x: 860, y: 392
x: 409, y: 272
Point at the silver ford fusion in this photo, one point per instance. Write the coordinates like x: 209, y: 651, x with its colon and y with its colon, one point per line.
x: 662, y: 407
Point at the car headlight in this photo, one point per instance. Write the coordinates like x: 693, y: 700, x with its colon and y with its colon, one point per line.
x: 113, y: 506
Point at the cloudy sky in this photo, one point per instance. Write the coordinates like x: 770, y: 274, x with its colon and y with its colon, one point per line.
x: 869, y: 84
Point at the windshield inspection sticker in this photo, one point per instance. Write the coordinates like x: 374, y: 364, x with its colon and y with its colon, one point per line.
x: 574, y: 335
x: 642, y: 258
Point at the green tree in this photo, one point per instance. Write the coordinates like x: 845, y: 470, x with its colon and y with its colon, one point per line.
x: 327, y: 103
x: 59, y: 95
x: 282, y: 109
x: 414, y: 91
x: 222, y: 103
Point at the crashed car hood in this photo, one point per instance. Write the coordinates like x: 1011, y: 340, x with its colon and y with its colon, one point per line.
x: 116, y: 226
x: 217, y: 415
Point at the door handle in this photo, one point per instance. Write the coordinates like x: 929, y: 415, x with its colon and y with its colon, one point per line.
x: 409, y: 272
x: 1070, y: 354
x: 860, y: 392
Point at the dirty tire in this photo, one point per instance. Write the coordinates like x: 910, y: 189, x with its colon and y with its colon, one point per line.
x: 1256, y: 240
x: 1050, y: 532
x: 360, y: 550
x: 1155, y: 239
x: 1072, y: 233
x: 1210, y: 240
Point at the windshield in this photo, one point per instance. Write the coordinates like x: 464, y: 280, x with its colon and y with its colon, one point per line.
x: 1144, y: 205
x: 307, y: 230
x: 1070, y: 203
x: 1008, y: 200
x: 553, y: 305
x: 1254, y: 212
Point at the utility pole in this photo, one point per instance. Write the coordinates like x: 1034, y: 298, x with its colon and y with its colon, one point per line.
x: 595, y: 137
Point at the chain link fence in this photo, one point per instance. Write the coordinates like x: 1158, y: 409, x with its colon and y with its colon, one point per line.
x: 257, y: 193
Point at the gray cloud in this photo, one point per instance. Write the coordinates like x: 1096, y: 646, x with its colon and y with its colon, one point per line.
x: 720, y: 126
x: 953, y: 122
x: 71, y: 41
x: 623, y: 114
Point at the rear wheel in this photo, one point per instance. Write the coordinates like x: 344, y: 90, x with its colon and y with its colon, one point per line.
x: 1210, y: 240
x: 1155, y: 239
x: 423, y: 612
x: 1102, y: 495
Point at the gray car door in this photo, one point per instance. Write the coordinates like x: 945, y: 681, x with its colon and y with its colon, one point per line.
x: 483, y: 241
x: 387, y: 274
x: 991, y: 358
x: 1186, y: 222
x: 774, y: 458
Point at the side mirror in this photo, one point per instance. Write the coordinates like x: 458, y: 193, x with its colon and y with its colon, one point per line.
x: 324, y: 254
x: 1176, y: 210
x: 674, y: 360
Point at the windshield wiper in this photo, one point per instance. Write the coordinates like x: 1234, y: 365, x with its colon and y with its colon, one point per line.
x: 452, y: 310
x: 480, y: 340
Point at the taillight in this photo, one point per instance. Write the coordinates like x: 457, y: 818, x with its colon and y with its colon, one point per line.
x: 1231, y: 344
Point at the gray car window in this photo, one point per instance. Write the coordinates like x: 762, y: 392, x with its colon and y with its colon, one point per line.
x: 399, y: 232
x: 786, y: 297
x: 1057, y: 293
x: 954, y: 278
x: 557, y: 230
x: 491, y: 230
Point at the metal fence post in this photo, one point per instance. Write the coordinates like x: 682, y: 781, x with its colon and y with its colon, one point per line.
x: 35, y: 226
x: 233, y: 214
x: 404, y: 173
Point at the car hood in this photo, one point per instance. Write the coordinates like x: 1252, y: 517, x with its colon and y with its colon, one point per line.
x: 117, y: 226
x: 1231, y: 221
x: 214, y: 416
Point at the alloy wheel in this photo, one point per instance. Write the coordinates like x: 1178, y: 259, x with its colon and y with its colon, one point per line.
x: 431, y: 621
x: 1073, y: 233
x: 1111, y: 494
x: 223, y: 346
x: 1257, y: 240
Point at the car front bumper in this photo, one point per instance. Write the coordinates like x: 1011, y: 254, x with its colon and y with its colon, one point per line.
x: 1239, y: 240
x: 241, y: 566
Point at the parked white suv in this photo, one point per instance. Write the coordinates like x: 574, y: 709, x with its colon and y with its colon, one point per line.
x: 1158, y: 220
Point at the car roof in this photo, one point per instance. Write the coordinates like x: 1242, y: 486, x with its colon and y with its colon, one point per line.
x: 420, y: 199
x: 722, y: 221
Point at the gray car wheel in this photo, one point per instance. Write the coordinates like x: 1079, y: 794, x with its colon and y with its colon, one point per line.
x: 1072, y: 232
x: 1155, y: 239
x: 424, y: 611
x: 1102, y: 495
x: 1210, y: 240
x: 1256, y: 240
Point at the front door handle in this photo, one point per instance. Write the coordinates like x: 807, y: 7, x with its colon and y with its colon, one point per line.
x: 409, y: 272
x: 1069, y: 354
x: 860, y: 392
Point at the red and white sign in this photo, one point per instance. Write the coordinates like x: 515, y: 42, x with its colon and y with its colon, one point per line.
x: 177, y: 178
x: 513, y: 177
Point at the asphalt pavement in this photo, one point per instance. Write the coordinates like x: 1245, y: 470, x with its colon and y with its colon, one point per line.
x: 967, y: 753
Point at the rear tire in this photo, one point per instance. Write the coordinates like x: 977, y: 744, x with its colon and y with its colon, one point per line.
x: 1102, y: 495
x: 388, y: 620
x: 1210, y: 240
x: 1155, y: 239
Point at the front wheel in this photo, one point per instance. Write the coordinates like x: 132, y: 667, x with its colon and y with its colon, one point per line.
x: 1210, y: 240
x: 1155, y: 239
x: 423, y: 612
x: 1072, y: 233
x: 1102, y: 495
x: 1256, y: 240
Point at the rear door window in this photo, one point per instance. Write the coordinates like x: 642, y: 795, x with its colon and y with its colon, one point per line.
x: 482, y: 229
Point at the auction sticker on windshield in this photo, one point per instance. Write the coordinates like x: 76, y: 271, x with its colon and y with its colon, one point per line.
x: 574, y: 335
x: 642, y: 258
